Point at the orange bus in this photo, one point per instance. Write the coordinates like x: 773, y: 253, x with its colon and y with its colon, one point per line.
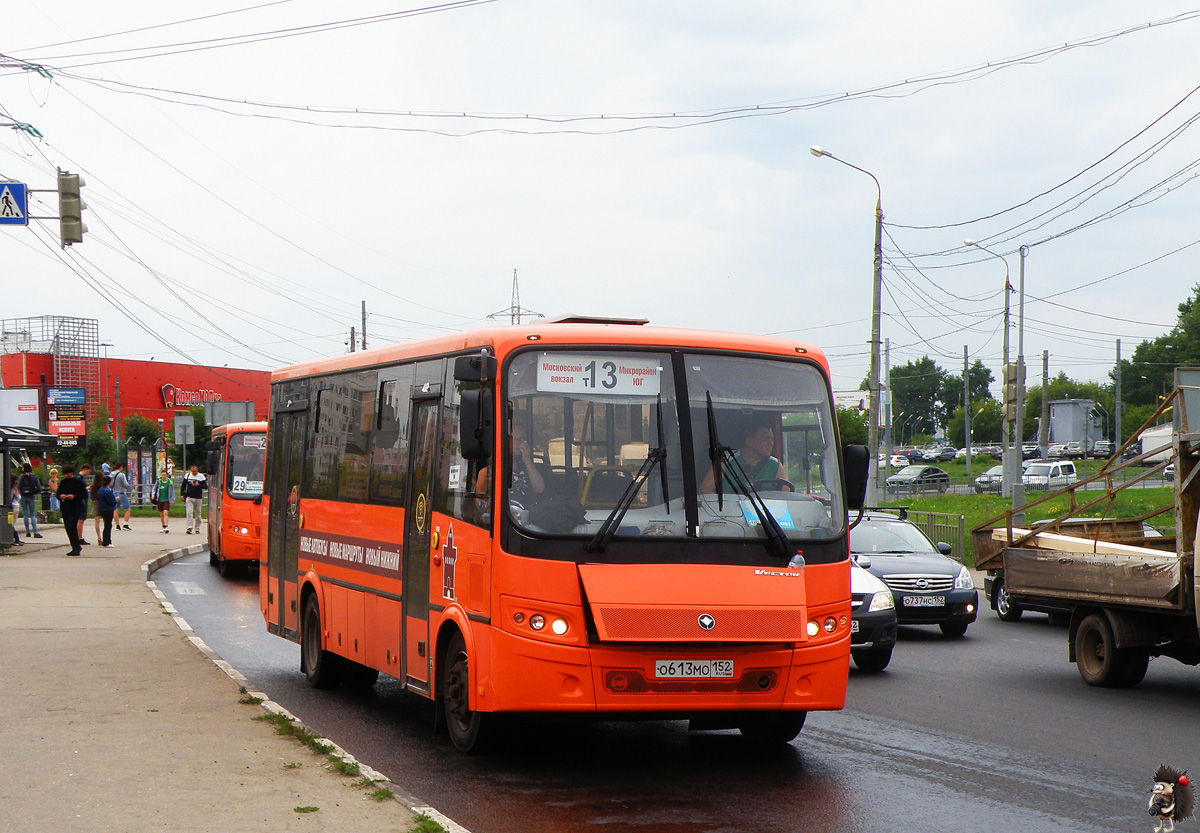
x: 567, y: 517
x: 236, y: 459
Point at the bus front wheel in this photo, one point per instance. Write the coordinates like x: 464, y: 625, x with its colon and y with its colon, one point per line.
x: 320, y: 667
x: 463, y: 724
x: 771, y: 728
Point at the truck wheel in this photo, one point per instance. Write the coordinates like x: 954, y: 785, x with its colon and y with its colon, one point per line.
x: 874, y: 659
x: 1007, y: 609
x: 320, y: 667
x: 1100, y: 662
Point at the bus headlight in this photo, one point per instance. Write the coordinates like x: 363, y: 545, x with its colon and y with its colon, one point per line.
x: 559, y: 626
x: 830, y: 624
x: 813, y: 628
x: 537, y: 621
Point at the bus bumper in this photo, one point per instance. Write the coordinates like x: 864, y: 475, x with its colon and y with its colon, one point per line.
x: 535, y: 676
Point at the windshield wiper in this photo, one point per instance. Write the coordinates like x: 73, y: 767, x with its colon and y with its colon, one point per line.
x: 776, y: 539
x: 608, y: 529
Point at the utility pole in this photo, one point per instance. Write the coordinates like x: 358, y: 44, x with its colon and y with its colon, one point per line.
x: 352, y: 339
x: 889, y: 440
x: 1044, y: 427
x: 364, y: 325
x: 117, y: 408
x: 967, y: 408
x: 1118, y: 406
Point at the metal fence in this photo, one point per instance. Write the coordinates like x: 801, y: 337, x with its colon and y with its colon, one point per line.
x: 939, y: 526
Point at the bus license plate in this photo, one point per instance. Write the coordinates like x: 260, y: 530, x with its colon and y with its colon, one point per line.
x: 924, y: 601
x: 693, y: 668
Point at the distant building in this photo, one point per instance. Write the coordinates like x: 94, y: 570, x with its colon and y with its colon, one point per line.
x: 1075, y: 421
x: 56, y: 353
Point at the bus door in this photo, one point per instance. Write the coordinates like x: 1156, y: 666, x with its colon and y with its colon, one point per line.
x: 216, y: 484
x: 283, y: 534
x: 418, y: 524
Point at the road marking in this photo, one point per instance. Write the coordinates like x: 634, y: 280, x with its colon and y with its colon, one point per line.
x: 188, y: 588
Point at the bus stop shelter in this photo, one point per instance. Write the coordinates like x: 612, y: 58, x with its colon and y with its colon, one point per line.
x: 15, y: 445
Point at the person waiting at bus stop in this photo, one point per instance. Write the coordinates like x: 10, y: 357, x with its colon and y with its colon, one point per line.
x: 72, y: 498
x: 755, y: 457
x: 29, y: 487
x: 106, y: 507
x: 164, y: 495
x: 194, y: 484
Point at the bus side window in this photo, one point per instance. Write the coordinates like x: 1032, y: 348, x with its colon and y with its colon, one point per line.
x: 459, y: 478
x: 389, y: 439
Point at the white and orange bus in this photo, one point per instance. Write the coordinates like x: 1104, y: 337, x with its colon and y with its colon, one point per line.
x: 526, y: 519
x: 236, y: 459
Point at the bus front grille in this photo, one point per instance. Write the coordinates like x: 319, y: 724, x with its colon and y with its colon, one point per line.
x: 618, y: 623
x: 634, y: 681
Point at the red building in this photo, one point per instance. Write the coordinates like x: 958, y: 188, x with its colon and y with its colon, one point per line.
x: 155, y: 390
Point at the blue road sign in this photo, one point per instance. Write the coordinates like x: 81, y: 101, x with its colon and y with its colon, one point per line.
x: 14, y: 204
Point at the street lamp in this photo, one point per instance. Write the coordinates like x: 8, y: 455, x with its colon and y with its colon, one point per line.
x: 1008, y: 461
x: 874, y: 484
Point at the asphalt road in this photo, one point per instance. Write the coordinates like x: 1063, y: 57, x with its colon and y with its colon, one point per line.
x: 992, y: 732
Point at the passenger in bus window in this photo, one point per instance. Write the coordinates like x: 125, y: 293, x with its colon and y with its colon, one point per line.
x: 527, y: 479
x: 755, y: 457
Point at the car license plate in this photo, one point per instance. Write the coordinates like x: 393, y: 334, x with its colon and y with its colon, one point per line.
x: 693, y: 668
x: 924, y: 601
x: 853, y: 626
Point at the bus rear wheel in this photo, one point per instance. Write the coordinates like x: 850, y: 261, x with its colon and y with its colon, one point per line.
x: 464, y: 725
x: 320, y: 667
x: 771, y: 728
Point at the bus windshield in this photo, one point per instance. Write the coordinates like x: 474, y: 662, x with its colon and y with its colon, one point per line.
x: 244, y: 467
x: 734, y: 447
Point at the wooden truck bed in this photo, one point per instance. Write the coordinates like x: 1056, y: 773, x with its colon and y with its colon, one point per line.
x: 1077, y: 569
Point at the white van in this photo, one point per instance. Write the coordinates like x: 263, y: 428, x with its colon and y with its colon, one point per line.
x: 1049, y: 475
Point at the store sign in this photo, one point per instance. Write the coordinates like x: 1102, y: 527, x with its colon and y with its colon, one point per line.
x: 66, y: 396
x: 175, y: 397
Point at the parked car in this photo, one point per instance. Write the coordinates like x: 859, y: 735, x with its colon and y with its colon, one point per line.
x: 872, y: 620
x: 917, y: 478
x: 990, y: 480
x: 1031, y: 452
x: 1055, y: 451
x: 1074, y: 451
x: 898, y: 461
x: 1169, y: 473
x: 1103, y: 449
x: 915, y: 455
x: 943, y: 454
x: 993, y: 450
x: 1048, y: 475
x: 928, y: 588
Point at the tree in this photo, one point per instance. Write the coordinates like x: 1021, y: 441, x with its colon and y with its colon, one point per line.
x: 979, y: 378
x: 916, y: 389
x: 985, y: 424
x: 138, y: 427
x: 852, y: 425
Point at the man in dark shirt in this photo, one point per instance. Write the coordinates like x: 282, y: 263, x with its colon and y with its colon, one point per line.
x: 72, y: 498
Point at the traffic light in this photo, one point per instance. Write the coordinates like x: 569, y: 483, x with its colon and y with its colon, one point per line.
x: 1012, y: 384
x: 70, y: 209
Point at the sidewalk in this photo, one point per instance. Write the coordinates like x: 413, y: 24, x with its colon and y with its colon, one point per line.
x: 111, y: 720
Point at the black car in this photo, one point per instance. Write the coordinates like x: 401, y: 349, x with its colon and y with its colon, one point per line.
x: 919, y: 479
x: 872, y: 621
x: 928, y: 588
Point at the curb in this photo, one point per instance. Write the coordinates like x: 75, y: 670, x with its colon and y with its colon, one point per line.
x: 410, y: 802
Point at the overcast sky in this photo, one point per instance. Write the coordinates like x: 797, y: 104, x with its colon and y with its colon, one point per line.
x: 241, y: 214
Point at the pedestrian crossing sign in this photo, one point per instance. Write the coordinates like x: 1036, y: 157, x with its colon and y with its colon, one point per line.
x: 14, y: 206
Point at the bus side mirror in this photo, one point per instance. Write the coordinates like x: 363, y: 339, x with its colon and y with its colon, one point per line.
x: 211, y: 460
x: 478, y: 368
x: 475, y: 434
x: 856, y: 459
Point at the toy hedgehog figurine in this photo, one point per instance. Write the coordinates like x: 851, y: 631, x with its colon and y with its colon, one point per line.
x: 1172, y: 799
